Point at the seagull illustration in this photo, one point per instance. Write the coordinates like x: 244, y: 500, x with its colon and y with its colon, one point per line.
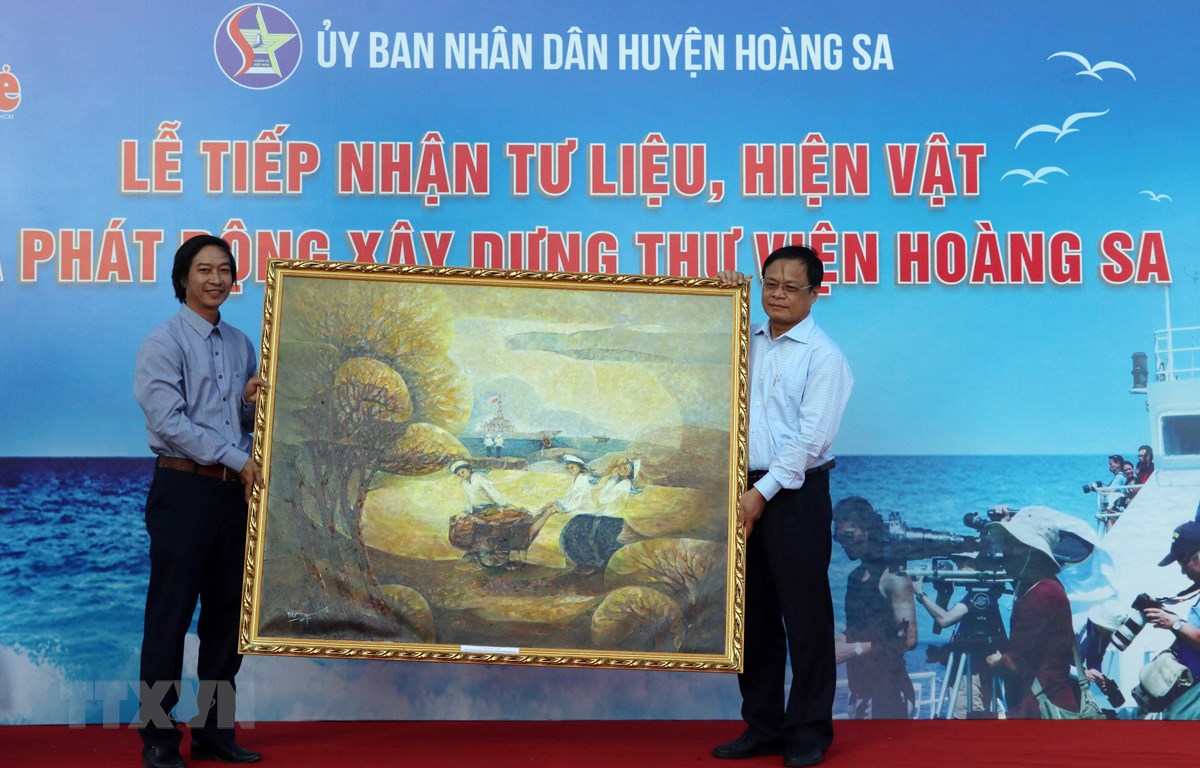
x: 1088, y: 69
x: 1156, y: 198
x: 1034, y: 178
x: 1059, y: 132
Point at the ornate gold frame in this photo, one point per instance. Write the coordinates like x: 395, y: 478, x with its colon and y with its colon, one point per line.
x: 371, y: 368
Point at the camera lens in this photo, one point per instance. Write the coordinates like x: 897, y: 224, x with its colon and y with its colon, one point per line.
x: 1128, y: 630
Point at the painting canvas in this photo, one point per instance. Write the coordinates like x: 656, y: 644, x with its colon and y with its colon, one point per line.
x: 509, y: 467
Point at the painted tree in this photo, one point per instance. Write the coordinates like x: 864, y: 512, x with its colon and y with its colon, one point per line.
x: 365, y: 386
x: 688, y: 570
x: 637, y: 619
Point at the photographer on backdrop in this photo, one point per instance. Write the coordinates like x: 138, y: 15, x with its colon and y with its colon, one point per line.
x: 1041, y: 646
x: 881, y: 617
x: 1111, y: 492
x: 1112, y: 498
x: 1185, y: 551
x: 976, y: 697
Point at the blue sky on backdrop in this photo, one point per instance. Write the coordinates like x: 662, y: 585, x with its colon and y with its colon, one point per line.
x: 939, y: 369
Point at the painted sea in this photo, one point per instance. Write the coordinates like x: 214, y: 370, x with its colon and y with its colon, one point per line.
x: 74, y: 565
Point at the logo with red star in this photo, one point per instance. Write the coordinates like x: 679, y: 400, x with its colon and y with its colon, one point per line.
x: 257, y: 46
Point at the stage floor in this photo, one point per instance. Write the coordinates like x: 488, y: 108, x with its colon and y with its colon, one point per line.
x: 655, y: 744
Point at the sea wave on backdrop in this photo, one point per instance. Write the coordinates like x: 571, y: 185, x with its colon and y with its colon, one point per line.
x: 74, y: 566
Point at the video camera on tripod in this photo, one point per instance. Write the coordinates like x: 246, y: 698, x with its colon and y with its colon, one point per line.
x: 1111, y: 498
x: 984, y: 587
x: 978, y: 522
x: 947, y: 553
x: 978, y: 632
x: 902, y: 543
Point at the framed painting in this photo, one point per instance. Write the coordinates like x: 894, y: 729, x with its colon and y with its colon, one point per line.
x: 504, y: 467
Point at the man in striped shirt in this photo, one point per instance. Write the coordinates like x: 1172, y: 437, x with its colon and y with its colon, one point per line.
x: 799, y: 385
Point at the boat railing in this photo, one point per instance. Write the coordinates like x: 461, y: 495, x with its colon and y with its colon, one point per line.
x: 1106, y: 497
x: 1177, y: 353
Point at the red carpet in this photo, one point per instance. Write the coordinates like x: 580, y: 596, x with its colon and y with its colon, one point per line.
x: 616, y: 744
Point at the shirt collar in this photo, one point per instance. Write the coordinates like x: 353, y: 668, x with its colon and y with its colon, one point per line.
x: 801, y: 331
x: 197, y: 323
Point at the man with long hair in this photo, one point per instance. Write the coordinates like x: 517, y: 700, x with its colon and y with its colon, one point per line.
x: 195, y: 380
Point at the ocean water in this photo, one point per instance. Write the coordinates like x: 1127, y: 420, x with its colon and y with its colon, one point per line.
x: 74, y: 561
x: 74, y: 566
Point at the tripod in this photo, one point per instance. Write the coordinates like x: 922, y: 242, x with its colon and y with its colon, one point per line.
x: 977, y: 634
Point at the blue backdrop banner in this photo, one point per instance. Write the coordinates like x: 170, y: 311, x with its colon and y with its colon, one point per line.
x: 1004, y: 195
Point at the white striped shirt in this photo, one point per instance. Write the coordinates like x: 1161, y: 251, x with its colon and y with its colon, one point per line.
x: 799, y: 385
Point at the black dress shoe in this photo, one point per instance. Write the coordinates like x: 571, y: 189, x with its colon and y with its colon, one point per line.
x: 747, y: 745
x: 797, y: 756
x: 225, y: 751
x: 162, y: 757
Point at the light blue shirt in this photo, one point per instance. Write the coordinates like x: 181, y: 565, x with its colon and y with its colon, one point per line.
x: 1109, y: 494
x: 799, y: 385
x: 189, y: 380
x: 1189, y: 655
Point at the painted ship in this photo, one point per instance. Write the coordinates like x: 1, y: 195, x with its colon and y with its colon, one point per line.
x: 1141, y: 535
x: 516, y: 444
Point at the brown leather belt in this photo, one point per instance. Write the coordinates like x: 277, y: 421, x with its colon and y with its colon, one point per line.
x: 219, y: 471
x: 754, y: 475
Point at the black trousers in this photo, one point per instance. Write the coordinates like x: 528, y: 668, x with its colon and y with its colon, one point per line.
x: 789, y: 612
x: 197, y: 528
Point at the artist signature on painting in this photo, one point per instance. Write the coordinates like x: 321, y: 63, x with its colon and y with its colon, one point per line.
x: 305, y: 617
